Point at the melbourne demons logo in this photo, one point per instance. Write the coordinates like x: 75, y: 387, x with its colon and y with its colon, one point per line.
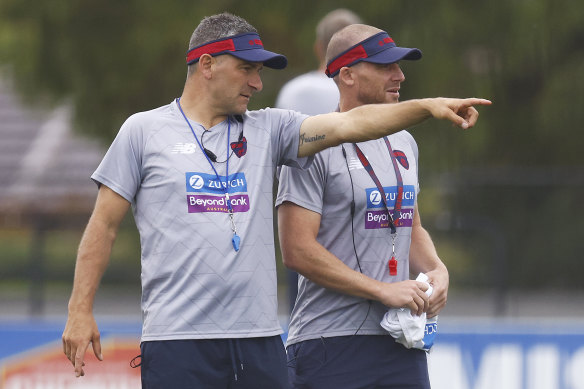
x: 401, y: 158
x: 240, y: 147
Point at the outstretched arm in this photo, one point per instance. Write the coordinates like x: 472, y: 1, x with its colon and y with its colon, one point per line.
x: 377, y: 120
x: 424, y: 259
x: 92, y: 259
x: 298, y: 228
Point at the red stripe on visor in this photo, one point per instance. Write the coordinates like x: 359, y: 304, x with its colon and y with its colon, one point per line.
x: 347, y: 58
x: 247, y: 47
x: 210, y: 48
x: 378, y: 48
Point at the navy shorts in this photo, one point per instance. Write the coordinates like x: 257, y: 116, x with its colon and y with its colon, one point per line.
x: 360, y: 361
x: 214, y: 363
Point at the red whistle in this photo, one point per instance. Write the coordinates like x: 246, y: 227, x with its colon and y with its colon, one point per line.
x: 392, y: 266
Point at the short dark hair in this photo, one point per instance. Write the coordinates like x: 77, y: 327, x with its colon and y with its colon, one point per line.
x: 216, y: 27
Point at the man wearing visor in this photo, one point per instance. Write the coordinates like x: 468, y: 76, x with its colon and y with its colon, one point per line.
x: 349, y: 225
x: 198, y: 174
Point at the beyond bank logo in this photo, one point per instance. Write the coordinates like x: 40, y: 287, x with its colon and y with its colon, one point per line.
x: 206, y: 193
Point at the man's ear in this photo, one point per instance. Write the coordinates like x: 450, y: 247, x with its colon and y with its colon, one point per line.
x: 206, y: 63
x: 346, y: 76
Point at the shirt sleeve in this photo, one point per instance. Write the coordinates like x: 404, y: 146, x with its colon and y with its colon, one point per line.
x: 304, y: 187
x: 414, y: 147
x: 120, y: 169
x: 285, y: 140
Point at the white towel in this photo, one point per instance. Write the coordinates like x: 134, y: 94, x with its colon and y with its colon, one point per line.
x: 409, y: 329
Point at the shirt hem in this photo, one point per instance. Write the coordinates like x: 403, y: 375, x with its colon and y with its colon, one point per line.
x: 302, y: 338
x: 150, y: 338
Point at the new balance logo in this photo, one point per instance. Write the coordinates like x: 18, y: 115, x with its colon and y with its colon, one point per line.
x: 184, y: 148
x: 355, y: 164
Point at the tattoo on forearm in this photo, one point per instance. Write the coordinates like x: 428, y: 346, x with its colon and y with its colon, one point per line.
x: 305, y: 139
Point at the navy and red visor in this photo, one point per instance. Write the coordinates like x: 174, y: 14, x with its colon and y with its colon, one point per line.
x: 247, y: 46
x: 379, y: 48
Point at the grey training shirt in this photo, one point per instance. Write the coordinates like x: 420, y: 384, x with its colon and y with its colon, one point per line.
x: 194, y: 284
x: 326, y: 188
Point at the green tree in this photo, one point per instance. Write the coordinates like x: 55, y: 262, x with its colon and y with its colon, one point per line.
x: 518, y: 173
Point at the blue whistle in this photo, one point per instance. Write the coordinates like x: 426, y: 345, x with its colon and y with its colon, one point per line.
x: 235, y: 241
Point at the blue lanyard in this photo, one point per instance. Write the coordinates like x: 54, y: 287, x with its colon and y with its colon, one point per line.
x: 235, y: 240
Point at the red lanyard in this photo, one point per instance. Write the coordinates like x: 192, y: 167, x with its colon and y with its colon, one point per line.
x: 400, y: 185
x: 392, y: 263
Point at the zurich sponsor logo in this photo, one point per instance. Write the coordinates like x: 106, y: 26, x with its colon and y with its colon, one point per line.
x: 431, y: 329
x: 196, y: 182
x: 207, y: 183
x: 430, y: 334
x: 374, y: 197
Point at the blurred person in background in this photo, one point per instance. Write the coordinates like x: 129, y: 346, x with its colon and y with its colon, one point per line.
x: 353, y: 257
x: 198, y: 175
x: 314, y: 93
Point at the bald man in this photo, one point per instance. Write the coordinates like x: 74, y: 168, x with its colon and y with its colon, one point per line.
x: 354, y: 251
